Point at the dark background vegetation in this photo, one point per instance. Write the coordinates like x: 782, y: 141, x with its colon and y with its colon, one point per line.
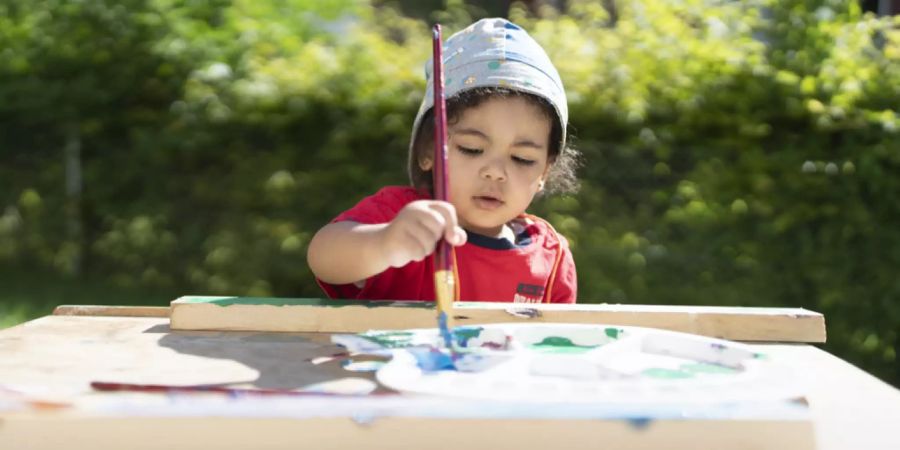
x: 740, y: 153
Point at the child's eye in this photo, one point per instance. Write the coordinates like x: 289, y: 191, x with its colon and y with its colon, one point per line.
x: 523, y: 161
x: 469, y: 151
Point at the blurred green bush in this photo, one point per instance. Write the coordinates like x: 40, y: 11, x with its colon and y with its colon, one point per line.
x: 736, y: 153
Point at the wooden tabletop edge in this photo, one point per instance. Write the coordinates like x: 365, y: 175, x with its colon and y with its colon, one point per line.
x: 110, y: 310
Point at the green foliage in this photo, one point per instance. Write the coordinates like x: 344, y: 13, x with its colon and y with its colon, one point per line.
x: 736, y: 153
x: 29, y: 292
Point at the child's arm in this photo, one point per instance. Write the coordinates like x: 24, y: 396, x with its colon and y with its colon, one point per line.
x: 348, y: 252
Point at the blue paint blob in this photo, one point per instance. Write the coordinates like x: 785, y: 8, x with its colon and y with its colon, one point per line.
x: 363, y: 418
x: 361, y: 366
x: 511, y: 26
x: 639, y: 423
x: 431, y: 359
x: 445, y: 332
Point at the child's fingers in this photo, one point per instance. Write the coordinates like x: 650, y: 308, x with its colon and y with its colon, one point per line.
x: 434, y: 222
x: 451, y: 230
x: 416, y: 246
x: 425, y: 234
x: 459, y: 237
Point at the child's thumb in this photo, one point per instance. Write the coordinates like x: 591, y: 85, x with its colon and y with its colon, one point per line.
x: 457, y: 237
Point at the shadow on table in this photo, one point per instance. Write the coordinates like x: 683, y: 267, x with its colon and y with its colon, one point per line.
x: 283, y: 360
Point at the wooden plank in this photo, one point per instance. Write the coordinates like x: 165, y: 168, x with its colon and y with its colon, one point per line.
x: 338, y: 316
x: 62, y: 354
x: 56, y: 358
x: 96, y: 433
x: 107, y: 310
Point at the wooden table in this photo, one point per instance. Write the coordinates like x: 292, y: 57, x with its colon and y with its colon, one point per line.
x: 56, y: 357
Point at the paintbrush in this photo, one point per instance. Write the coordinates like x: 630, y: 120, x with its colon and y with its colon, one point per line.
x: 444, y: 288
x: 216, y: 389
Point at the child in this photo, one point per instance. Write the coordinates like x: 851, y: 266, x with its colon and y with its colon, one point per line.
x: 506, y: 122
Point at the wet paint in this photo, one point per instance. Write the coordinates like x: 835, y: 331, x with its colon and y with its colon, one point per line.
x: 464, y: 334
x: 689, y: 371
x: 613, y: 332
x: 559, y: 344
x: 432, y: 359
x: 575, y: 363
x: 389, y: 339
x: 640, y: 423
x: 446, y: 337
x: 361, y: 366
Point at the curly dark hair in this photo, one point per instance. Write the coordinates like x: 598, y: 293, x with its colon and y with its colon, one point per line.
x: 564, y: 160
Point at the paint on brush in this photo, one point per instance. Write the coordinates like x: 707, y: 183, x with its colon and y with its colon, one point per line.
x: 432, y: 359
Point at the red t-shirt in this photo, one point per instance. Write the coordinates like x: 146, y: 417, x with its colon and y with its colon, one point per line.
x: 538, y: 269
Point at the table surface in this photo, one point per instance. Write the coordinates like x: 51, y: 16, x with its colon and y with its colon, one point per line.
x: 58, y: 357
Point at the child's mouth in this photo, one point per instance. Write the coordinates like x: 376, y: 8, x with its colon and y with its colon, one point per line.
x: 487, y: 202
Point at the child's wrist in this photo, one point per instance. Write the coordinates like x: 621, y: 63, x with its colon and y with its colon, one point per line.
x: 382, y: 246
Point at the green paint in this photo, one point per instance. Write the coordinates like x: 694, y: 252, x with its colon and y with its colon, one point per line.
x: 558, y: 344
x: 613, y: 332
x: 666, y: 374
x: 280, y: 301
x: 392, y: 339
x: 464, y: 334
x: 689, y: 371
x: 494, y: 65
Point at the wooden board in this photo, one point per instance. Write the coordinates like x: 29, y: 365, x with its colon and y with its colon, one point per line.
x: 95, y: 433
x: 106, y: 310
x: 57, y: 357
x: 339, y: 316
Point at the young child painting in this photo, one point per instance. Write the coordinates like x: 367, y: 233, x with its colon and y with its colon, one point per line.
x: 506, y: 126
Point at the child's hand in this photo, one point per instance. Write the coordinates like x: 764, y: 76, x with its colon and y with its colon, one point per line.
x: 414, y: 233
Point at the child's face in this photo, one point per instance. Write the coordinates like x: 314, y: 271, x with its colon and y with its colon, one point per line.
x: 498, y: 160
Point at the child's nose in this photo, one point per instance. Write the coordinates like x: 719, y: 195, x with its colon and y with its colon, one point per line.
x: 494, y: 170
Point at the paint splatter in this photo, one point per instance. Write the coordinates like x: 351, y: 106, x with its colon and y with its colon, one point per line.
x: 361, y: 366
x: 558, y: 344
x: 613, y: 332
x: 689, y: 371
x: 564, y: 361
x: 640, y: 423
x: 464, y: 334
x: 430, y: 359
x: 391, y: 339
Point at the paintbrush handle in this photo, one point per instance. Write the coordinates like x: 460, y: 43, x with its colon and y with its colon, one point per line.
x: 440, y: 142
x: 165, y: 388
x: 444, y: 288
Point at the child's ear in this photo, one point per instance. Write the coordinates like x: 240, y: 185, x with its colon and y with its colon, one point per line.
x: 544, y: 178
x: 425, y: 163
